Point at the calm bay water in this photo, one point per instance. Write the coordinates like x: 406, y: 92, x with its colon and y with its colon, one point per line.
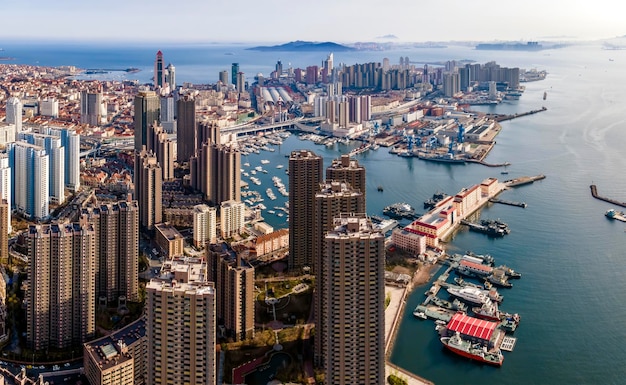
x: 572, y: 258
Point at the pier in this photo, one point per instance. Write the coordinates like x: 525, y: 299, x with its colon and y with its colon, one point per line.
x: 594, y: 193
x: 488, y: 164
x: 522, y: 180
x: 502, y: 118
x: 510, y: 203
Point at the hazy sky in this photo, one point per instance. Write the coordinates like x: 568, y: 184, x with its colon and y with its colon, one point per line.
x: 317, y: 20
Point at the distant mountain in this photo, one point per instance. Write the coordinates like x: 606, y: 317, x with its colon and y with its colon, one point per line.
x: 300, y: 46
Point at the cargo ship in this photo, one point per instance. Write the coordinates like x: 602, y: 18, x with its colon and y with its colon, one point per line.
x: 474, y: 351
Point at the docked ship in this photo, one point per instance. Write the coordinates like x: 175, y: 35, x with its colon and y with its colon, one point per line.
x: 430, y: 203
x: 614, y: 214
x: 399, y: 211
x: 469, y: 294
x: 473, y: 351
x: 491, y: 293
x: 498, y: 278
x: 488, y: 311
x: 493, y: 228
x: 445, y: 158
x: 454, y: 305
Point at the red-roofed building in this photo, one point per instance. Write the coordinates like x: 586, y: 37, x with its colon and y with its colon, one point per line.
x: 474, y: 329
x: 474, y: 267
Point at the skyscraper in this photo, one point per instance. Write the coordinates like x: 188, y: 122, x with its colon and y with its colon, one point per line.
x: 234, y: 279
x: 186, y: 128
x: 159, y: 73
x: 5, y: 190
x: 224, y: 77
x: 241, y: 82
x: 5, y: 220
x: 231, y: 217
x: 204, y: 225
x: 14, y: 113
x: 181, y: 325
x: 90, y: 108
x: 116, y: 228
x: 348, y: 170
x: 61, y: 302
x: 164, y: 149
x: 332, y: 199
x: 305, y: 175
x: 7, y: 133
x: 216, y: 172
x: 352, y: 329
x: 30, y: 179
x: 147, y: 111
x: 56, y: 153
x: 451, y: 84
x: 70, y: 141
x: 234, y: 70
x: 170, y: 76
x: 148, y: 189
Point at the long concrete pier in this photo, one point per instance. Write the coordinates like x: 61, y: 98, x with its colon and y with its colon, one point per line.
x: 502, y: 118
x: 522, y: 180
x: 594, y: 193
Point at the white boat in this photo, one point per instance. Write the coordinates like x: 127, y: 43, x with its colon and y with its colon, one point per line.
x: 264, y: 161
x: 279, y: 166
x: 469, y: 294
x: 271, y: 211
x: 247, y: 164
x: 420, y: 314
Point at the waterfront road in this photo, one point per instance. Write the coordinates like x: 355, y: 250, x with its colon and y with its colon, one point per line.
x: 393, y: 315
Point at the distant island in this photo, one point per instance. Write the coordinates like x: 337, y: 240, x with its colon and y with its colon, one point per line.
x: 528, y: 46
x: 301, y: 46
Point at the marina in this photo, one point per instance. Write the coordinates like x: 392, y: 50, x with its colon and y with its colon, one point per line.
x: 485, y: 330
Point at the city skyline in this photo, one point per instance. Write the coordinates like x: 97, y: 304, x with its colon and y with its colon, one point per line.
x: 484, y: 20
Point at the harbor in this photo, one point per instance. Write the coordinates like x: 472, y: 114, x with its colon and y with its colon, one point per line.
x: 485, y: 326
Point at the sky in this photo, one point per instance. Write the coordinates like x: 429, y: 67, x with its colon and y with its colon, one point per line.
x: 343, y: 21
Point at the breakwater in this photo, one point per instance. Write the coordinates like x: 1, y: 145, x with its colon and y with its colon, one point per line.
x: 594, y: 193
x: 502, y: 118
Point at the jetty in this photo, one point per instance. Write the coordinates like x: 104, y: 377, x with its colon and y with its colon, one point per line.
x: 594, y: 193
x: 510, y: 203
x: 523, y: 180
x: 502, y: 118
x: 488, y: 164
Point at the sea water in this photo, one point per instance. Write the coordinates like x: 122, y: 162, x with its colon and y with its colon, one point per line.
x: 572, y: 258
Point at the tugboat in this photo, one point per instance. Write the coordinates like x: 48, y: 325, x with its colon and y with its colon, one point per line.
x: 471, y: 350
